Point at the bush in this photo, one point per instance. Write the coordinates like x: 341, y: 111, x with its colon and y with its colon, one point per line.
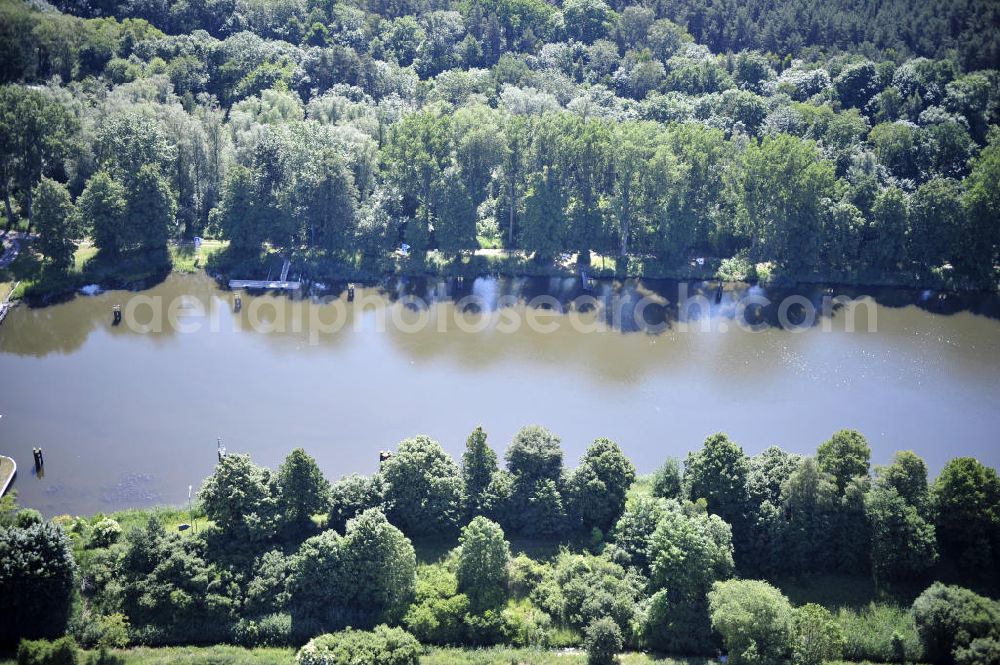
x: 678, y: 626
x: 28, y: 517
x: 603, y: 642
x: 381, y: 646
x: 525, y: 574
x: 483, y: 628
x: 61, y: 652
x: 524, y: 625
x: 754, y: 619
x: 272, y: 630
x: 105, y: 533
x: 437, y: 612
x: 981, y: 651
x: 869, y: 632
x: 816, y: 637
x: 950, y: 619
x: 114, y: 631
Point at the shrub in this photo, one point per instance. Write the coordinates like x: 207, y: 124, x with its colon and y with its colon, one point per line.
x: 105, y: 533
x: 950, y: 619
x: 437, y: 612
x: 525, y: 574
x: 754, y: 619
x: 591, y: 587
x: 603, y: 642
x: 60, y: 652
x: 816, y: 637
x: 484, y: 628
x: 114, y: 631
x: 28, y: 517
x: 272, y: 630
x: 381, y: 646
x: 677, y: 626
x: 869, y: 632
x: 525, y: 625
x: 981, y: 651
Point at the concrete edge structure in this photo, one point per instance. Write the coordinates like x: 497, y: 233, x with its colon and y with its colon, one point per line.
x: 5, y: 482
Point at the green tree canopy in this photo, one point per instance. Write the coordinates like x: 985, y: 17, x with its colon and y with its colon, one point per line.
x: 37, y: 574
x: 56, y: 221
x: 483, y: 564
x: 241, y: 498
x: 754, y: 619
x: 422, y: 488
x: 479, y: 463
x: 845, y: 455
x: 303, y: 490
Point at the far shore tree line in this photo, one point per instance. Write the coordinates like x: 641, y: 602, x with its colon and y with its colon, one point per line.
x: 615, y: 133
x: 683, y: 562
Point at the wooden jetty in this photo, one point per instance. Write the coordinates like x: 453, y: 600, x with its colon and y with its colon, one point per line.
x: 264, y: 285
x: 6, y: 305
x: 8, y: 469
x: 280, y: 284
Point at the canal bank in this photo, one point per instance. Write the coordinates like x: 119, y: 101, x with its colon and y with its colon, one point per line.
x: 929, y: 372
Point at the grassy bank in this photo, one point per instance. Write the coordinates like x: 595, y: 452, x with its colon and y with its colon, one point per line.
x: 41, y: 285
x: 227, y: 655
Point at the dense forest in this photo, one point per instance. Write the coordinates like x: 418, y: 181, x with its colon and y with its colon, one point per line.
x: 532, y: 553
x: 848, y: 141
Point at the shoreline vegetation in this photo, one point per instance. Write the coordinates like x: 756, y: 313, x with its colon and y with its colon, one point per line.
x: 533, y: 561
x: 144, y: 272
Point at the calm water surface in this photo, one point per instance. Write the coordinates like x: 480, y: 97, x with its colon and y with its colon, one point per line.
x: 129, y: 417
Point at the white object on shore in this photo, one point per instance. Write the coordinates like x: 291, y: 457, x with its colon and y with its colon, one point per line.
x: 91, y: 289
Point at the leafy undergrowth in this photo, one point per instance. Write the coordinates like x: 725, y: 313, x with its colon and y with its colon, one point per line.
x: 505, y: 656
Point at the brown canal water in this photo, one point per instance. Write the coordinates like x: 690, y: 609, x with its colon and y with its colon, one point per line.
x: 129, y: 415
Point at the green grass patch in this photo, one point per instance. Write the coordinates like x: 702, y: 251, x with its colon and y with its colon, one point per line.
x: 85, y: 251
x: 216, y: 655
x: 170, y: 517
x: 186, y: 259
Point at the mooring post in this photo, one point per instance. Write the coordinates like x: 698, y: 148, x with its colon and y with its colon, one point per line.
x: 116, y: 312
x: 39, y: 459
x: 350, y: 292
x: 237, y: 302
